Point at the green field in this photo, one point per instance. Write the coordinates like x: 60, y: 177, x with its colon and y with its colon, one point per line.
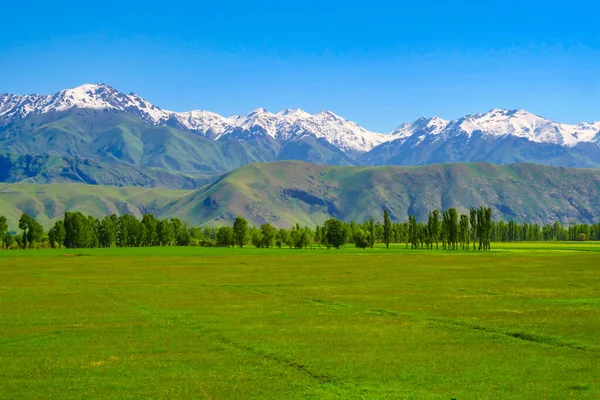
x: 520, y: 322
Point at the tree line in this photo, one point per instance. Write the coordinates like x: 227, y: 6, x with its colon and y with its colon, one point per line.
x: 447, y: 229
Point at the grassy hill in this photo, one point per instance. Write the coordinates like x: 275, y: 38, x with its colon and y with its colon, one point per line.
x: 290, y: 192
x: 49, y: 202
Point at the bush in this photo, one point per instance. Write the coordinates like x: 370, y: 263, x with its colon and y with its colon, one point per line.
x: 361, y: 240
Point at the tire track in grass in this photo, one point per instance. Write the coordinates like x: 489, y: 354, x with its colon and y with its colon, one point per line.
x: 518, y: 335
x: 250, y: 289
x: 257, y: 290
x: 320, y: 378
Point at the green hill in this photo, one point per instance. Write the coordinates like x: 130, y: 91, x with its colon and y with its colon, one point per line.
x: 296, y: 192
x: 290, y: 192
x: 49, y: 202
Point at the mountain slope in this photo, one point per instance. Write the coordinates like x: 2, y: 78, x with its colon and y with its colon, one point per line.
x: 290, y: 192
x: 106, y: 127
x: 56, y: 169
x: 479, y: 147
x: 498, y: 136
x: 48, y: 203
x: 111, y: 137
x: 345, y: 135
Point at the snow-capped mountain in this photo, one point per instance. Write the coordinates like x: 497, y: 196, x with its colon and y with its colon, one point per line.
x: 284, y: 125
x: 499, y: 135
x: 430, y: 126
x: 501, y: 123
x: 288, y: 124
x: 523, y: 124
x: 99, y: 97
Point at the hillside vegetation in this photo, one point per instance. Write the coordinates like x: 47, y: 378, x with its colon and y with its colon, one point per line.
x: 47, y: 203
x: 285, y: 193
x: 295, y: 192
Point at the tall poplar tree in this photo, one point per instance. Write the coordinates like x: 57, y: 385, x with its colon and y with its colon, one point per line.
x: 371, y: 232
x: 387, y: 229
x: 3, y: 230
x: 240, y: 231
x: 473, y: 215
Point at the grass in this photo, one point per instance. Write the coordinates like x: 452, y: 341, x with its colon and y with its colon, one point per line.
x: 520, y: 322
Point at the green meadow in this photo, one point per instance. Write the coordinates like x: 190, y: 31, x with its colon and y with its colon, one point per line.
x: 519, y: 322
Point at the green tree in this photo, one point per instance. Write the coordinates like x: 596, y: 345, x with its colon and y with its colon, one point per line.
x: 487, y: 229
x: 269, y: 234
x: 433, y: 224
x: 481, y: 227
x: 450, y: 226
x: 150, y: 224
x: 473, y: 220
x: 463, y: 231
x: 185, y: 237
x: 57, y: 234
x: 240, y: 231
x: 3, y: 230
x: 196, y: 233
x: 9, y: 240
x: 296, y: 238
x: 378, y: 232
x: 176, y: 229
x: 225, y: 237
x: 318, y: 235
x: 361, y: 239
x: 413, y: 234
x: 335, y: 232
x: 107, y: 235
x: 422, y: 234
x: 164, y: 233
x: 371, y: 232
x: 387, y: 229
x: 24, y: 222
x: 78, y: 232
x: 35, y: 232
x: 256, y: 237
x: 283, y: 237
x: 94, y: 232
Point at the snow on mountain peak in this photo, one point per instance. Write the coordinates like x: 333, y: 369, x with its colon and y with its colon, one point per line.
x: 295, y: 123
x: 88, y: 96
x: 423, y: 125
x: 294, y: 111
x: 259, y: 110
x: 521, y: 123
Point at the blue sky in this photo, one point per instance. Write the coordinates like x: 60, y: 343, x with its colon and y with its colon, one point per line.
x: 378, y: 63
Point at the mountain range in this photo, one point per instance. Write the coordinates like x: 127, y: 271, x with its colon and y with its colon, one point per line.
x: 96, y: 134
x: 288, y: 192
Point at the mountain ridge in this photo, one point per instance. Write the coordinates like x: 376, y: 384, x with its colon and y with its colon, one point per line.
x: 103, y: 129
x: 290, y: 192
x: 497, y: 122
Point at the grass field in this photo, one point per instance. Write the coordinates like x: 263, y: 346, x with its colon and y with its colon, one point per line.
x: 520, y: 322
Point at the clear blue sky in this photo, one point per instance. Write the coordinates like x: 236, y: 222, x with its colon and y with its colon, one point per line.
x: 378, y: 63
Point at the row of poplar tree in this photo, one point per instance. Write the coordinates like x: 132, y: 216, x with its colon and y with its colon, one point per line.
x: 446, y: 229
